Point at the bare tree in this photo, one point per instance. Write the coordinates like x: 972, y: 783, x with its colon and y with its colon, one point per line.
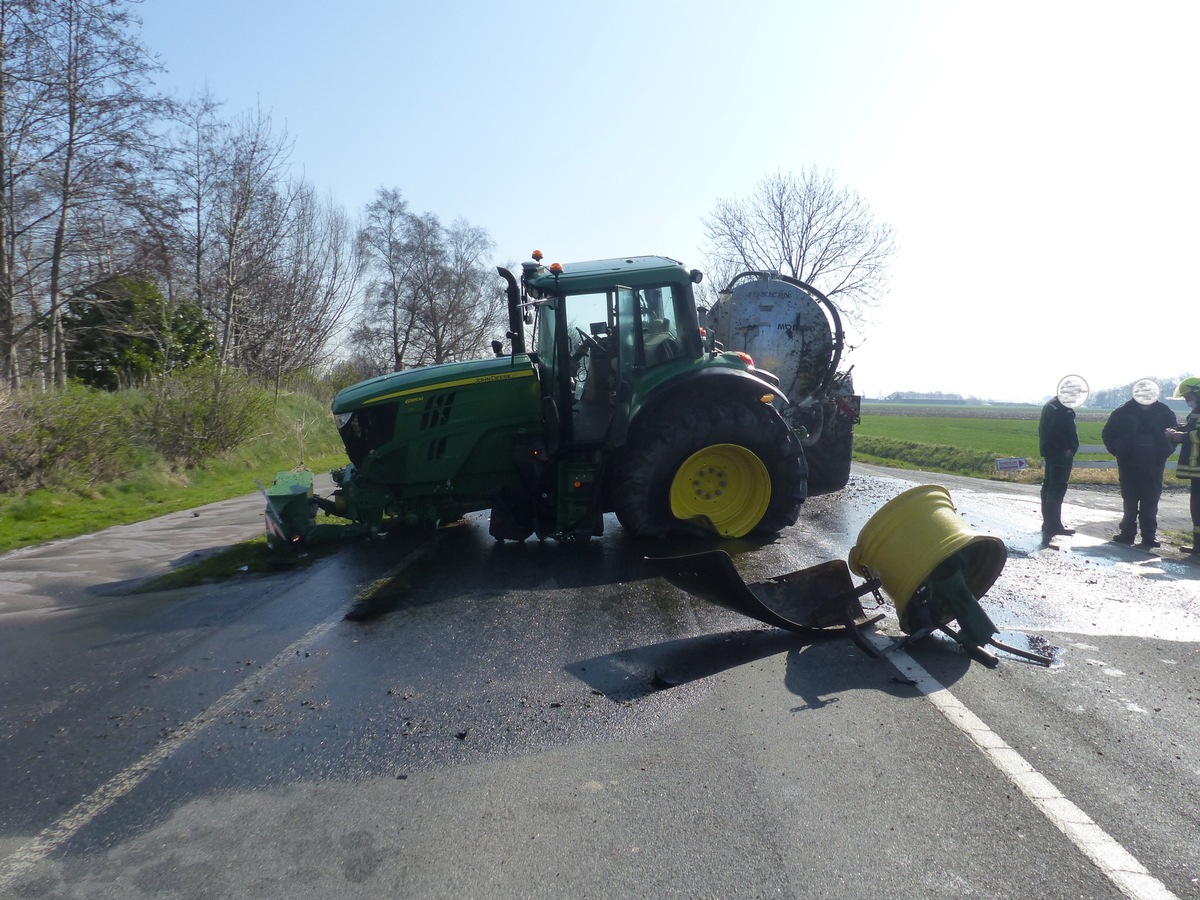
x: 468, y: 308
x: 323, y: 275
x: 103, y: 110
x: 382, y: 245
x: 251, y: 215
x: 193, y: 171
x: 370, y: 350
x: 7, y: 304
x: 273, y: 266
x: 298, y: 308
x: 809, y: 227
x: 430, y: 293
x: 74, y: 108
x: 23, y: 114
x: 423, y: 261
x: 89, y: 193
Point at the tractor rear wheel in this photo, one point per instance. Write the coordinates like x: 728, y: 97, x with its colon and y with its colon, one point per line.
x: 733, y: 468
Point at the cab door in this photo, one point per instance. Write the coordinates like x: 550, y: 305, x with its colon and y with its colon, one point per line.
x: 630, y: 358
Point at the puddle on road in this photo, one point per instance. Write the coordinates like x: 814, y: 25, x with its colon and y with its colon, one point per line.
x: 1091, y: 589
x: 1082, y: 584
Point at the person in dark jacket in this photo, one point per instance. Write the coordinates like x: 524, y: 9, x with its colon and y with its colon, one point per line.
x: 1058, y: 442
x: 1136, y: 434
x: 1189, y: 453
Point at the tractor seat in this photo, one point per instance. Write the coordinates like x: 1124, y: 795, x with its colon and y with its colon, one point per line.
x: 659, y: 342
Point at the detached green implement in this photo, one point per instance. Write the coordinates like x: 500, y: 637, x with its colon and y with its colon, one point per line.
x: 291, y: 512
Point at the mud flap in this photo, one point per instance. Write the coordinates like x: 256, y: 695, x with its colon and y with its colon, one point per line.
x: 817, y: 599
x: 512, y: 515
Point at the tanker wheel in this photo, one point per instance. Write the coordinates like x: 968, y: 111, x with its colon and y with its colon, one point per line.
x: 733, y: 468
x: 830, y: 458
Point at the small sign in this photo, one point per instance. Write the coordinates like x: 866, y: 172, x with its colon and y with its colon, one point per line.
x: 1011, y: 463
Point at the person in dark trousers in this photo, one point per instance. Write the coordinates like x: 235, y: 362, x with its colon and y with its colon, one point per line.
x: 1189, y: 453
x: 1137, y: 435
x: 1058, y: 442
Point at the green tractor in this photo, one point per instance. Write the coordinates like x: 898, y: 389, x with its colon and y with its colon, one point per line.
x: 621, y: 402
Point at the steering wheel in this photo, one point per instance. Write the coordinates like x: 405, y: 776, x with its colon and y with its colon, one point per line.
x: 593, y: 345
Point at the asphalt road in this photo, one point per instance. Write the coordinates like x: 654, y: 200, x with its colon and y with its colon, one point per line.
x: 540, y: 720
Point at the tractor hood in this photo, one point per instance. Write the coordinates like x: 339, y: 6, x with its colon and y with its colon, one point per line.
x: 411, y: 385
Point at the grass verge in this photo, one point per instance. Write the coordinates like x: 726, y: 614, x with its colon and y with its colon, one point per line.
x: 972, y: 464
x: 302, y: 430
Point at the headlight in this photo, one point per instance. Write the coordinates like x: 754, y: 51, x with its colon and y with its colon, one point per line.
x: 342, y: 419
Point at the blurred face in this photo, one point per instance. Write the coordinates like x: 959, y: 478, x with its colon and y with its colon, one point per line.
x: 1190, y: 399
x: 1145, y: 391
x: 1072, y: 391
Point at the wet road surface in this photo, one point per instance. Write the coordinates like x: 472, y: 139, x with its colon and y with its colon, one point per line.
x: 542, y: 720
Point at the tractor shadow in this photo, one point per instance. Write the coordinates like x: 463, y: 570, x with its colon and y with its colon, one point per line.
x: 461, y: 556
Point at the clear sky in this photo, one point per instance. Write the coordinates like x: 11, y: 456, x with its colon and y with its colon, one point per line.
x: 1036, y: 158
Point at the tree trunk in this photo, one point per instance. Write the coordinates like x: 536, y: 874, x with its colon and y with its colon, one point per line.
x: 8, y: 367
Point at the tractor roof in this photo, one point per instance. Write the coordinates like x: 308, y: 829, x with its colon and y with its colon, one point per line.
x: 598, y: 274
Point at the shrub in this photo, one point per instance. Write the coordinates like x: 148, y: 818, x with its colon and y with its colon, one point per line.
x: 201, y: 412
x: 64, y: 437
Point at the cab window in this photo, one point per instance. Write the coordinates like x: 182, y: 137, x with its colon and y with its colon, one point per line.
x: 658, y: 315
x: 591, y: 313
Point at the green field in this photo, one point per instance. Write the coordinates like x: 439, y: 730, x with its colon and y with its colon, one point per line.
x: 967, y: 440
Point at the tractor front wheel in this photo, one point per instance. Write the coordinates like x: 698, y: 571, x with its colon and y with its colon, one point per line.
x: 733, y: 468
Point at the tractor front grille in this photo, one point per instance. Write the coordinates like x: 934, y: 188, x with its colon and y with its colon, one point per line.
x: 369, y: 429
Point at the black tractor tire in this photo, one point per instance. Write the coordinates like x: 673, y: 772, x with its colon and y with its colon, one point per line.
x: 830, y: 457
x: 661, y: 442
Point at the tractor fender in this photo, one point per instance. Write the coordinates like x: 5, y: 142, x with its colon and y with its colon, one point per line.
x: 704, y: 386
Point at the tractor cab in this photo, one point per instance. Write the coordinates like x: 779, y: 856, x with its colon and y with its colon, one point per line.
x: 599, y: 328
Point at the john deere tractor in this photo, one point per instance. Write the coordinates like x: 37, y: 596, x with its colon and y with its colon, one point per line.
x: 609, y: 396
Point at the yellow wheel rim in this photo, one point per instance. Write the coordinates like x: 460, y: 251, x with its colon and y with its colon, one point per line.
x: 725, y: 483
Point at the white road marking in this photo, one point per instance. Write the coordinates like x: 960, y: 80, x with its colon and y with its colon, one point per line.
x: 1117, y: 864
x: 78, y: 817
x: 34, y: 851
